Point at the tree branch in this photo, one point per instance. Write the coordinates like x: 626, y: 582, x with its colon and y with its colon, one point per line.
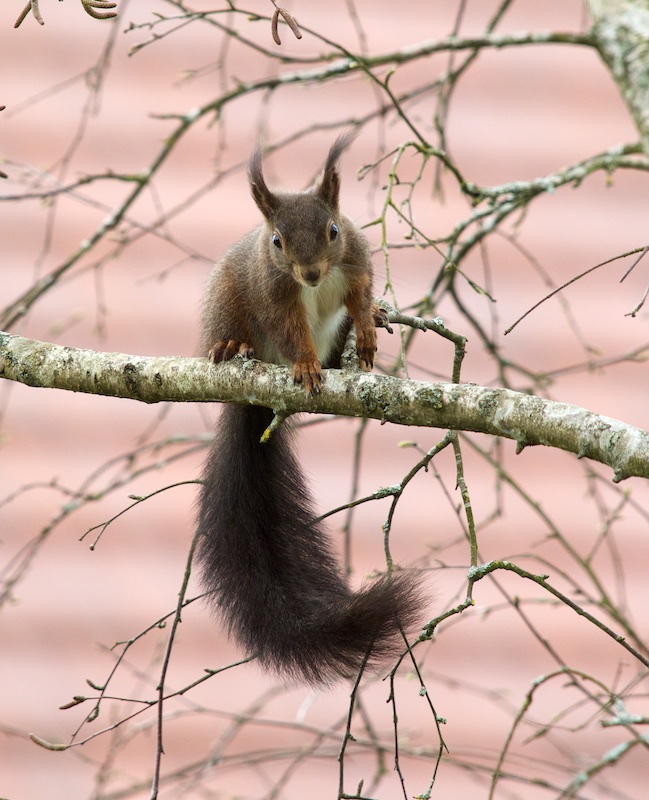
x: 526, y: 419
x: 621, y: 28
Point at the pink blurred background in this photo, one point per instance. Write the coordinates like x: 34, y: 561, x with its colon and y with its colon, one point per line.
x: 518, y: 113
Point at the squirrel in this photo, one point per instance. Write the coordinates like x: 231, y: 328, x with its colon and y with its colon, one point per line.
x: 287, y: 293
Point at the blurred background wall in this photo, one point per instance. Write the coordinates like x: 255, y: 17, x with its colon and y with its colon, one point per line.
x: 86, y: 97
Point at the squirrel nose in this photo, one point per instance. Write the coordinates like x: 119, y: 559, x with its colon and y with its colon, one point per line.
x: 311, y: 275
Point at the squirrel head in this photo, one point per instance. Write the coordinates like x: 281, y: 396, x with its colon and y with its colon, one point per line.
x: 303, y: 230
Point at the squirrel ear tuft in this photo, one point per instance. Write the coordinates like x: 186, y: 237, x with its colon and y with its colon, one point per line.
x: 328, y: 187
x: 266, y: 201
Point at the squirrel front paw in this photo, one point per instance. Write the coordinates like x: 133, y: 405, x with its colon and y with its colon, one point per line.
x: 224, y: 351
x: 366, y: 347
x: 308, y: 372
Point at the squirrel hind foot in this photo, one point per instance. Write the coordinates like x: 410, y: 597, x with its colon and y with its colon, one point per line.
x: 224, y: 351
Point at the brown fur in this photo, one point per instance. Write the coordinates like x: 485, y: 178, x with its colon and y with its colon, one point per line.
x: 287, y: 293
x: 255, y: 302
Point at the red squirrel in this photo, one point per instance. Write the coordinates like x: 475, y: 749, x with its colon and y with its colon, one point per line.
x: 288, y: 293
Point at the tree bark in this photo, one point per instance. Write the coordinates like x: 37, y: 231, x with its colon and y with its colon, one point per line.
x: 526, y: 419
x: 621, y: 31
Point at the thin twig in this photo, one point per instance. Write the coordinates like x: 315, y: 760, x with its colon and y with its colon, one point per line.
x: 576, y: 278
x: 155, y: 784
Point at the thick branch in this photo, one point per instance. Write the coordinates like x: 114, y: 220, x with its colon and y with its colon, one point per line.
x: 526, y: 419
x: 621, y: 30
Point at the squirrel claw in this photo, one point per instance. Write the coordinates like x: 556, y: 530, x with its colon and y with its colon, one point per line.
x: 224, y: 351
x: 309, y: 374
x: 366, y: 347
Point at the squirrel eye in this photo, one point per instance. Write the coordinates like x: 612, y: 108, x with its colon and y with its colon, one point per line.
x: 333, y: 231
x: 277, y: 241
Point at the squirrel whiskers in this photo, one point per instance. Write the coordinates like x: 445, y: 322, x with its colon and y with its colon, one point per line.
x: 288, y: 293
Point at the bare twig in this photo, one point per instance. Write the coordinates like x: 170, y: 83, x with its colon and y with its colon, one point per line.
x: 575, y: 278
x: 639, y: 305
x: 155, y: 784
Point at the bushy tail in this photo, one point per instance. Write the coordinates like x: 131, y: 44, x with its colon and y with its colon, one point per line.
x: 268, y: 564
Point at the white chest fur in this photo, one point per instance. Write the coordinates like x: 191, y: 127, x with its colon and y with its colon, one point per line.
x: 325, y: 311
